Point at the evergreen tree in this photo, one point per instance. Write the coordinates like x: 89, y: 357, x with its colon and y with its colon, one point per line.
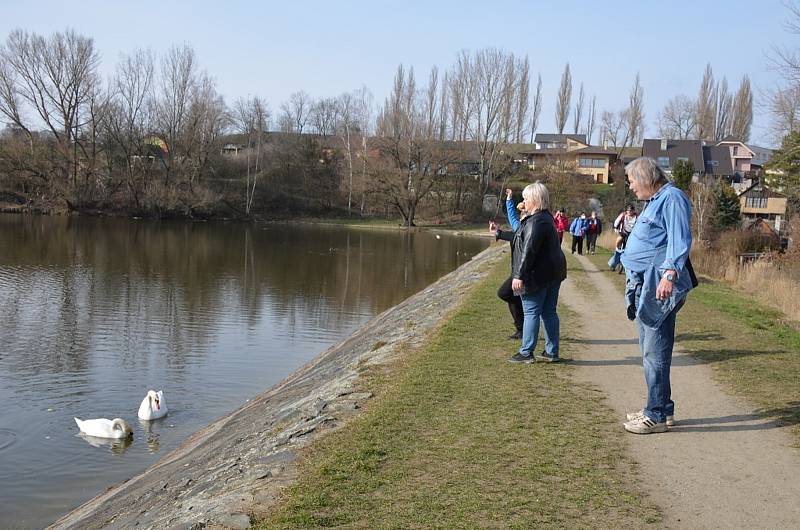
x: 728, y: 213
x: 682, y: 173
x: 786, y: 165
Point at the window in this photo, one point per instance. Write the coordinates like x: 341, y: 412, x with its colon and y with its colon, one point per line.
x: 756, y: 202
x: 683, y: 159
x: 592, y: 162
x: 735, y: 150
x: 663, y: 161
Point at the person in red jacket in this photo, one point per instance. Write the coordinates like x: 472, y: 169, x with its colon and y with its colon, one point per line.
x: 562, y: 224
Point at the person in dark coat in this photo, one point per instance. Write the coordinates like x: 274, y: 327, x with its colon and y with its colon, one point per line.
x: 505, y: 293
x: 538, y: 268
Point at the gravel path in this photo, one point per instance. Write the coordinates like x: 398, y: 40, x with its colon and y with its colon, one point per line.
x: 720, y: 466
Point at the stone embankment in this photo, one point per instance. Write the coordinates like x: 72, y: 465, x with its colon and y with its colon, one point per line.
x: 237, y: 466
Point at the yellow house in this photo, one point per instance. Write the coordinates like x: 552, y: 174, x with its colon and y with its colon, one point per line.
x: 572, y: 152
x: 760, y: 202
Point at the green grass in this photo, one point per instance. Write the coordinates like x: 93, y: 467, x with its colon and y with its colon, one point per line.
x: 754, y: 350
x: 459, y: 438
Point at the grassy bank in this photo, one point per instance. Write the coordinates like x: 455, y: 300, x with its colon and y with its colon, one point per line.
x: 754, y: 349
x: 457, y: 437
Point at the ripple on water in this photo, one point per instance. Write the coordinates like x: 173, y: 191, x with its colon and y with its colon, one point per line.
x: 7, y: 439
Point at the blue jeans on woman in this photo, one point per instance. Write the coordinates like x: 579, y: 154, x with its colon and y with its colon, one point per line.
x: 540, y: 304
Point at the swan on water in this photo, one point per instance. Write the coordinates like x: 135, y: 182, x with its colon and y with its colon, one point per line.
x: 103, y: 428
x: 153, y: 406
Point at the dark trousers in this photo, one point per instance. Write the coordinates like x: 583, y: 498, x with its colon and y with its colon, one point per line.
x: 506, y: 294
x: 591, y: 242
x: 577, y: 241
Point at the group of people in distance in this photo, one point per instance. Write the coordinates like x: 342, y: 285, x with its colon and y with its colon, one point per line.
x: 659, y: 276
x: 581, y: 228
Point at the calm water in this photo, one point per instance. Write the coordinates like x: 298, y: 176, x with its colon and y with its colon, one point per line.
x: 94, y: 312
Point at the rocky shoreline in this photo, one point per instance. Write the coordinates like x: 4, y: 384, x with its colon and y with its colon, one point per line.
x: 236, y: 467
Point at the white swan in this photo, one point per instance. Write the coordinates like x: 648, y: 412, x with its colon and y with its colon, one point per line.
x: 103, y: 428
x: 153, y: 406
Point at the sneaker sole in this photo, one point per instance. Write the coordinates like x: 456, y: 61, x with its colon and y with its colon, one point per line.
x: 657, y: 428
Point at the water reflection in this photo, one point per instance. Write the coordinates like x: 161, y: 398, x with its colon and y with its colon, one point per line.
x: 118, y: 446
x: 93, y: 313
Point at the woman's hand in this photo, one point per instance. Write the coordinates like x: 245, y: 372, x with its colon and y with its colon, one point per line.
x: 509, y: 194
x: 517, y: 286
x: 492, y: 227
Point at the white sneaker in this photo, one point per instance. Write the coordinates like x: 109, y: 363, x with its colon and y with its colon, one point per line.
x: 640, y: 413
x: 644, y: 425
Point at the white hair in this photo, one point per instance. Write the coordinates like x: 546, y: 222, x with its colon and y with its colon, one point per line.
x: 539, y: 196
x: 646, y: 172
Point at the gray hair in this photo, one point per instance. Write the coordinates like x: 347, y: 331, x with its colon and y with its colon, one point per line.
x: 538, y: 194
x: 646, y: 172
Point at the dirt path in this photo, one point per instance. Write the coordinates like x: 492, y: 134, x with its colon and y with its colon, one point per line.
x: 720, y: 466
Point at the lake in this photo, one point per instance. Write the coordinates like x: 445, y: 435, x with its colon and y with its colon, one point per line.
x: 94, y: 312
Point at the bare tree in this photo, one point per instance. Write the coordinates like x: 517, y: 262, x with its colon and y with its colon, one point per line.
x: 706, y: 103
x: 677, y: 120
x: 295, y: 113
x: 563, y: 100
x: 742, y: 112
x: 251, y: 117
x: 591, y: 121
x: 612, y: 127
x: 130, y: 115
x: 444, y: 107
x: 178, y: 82
x: 635, y: 117
x: 536, y: 111
x: 784, y: 106
x: 57, y: 79
x: 578, y: 117
x: 723, y: 107
x: 431, y: 103
x: 523, y: 100
x: 323, y: 116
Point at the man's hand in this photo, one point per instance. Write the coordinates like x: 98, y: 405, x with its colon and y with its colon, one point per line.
x: 517, y: 286
x: 509, y: 194
x: 492, y: 227
x: 664, y: 289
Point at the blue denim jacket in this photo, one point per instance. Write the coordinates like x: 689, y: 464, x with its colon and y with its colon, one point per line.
x: 661, y: 240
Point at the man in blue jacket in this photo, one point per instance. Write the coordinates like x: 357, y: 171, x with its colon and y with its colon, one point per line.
x: 658, y: 281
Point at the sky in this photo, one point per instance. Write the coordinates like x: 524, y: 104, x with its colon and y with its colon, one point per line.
x: 273, y: 49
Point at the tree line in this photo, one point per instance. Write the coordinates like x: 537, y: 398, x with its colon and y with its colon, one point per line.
x: 149, y: 139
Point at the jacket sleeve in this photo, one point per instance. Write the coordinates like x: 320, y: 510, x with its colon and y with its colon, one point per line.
x: 513, y: 219
x: 530, y: 248
x: 505, y: 235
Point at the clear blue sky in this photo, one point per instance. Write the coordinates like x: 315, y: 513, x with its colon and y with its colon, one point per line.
x: 275, y: 48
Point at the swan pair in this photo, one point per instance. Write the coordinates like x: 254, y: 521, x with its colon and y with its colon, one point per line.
x: 152, y: 408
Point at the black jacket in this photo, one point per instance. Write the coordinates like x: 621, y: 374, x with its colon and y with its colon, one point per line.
x: 537, y: 258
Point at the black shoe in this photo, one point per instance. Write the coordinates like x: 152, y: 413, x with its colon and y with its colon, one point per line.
x: 519, y: 358
x: 546, y: 357
x: 516, y: 336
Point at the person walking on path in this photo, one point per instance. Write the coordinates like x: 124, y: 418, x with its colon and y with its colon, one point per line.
x: 578, y: 230
x: 562, y: 223
x: 595, y: 226
x: 505, y: 292
x: 623, y: 225
x: 657, y: 283
x: 539, y: 267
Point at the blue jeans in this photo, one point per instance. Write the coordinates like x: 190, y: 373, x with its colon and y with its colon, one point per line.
x: 656, y: 345
x: 540, y: 304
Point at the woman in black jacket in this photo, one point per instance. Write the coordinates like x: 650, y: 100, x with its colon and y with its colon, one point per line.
x: 538, y: 268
